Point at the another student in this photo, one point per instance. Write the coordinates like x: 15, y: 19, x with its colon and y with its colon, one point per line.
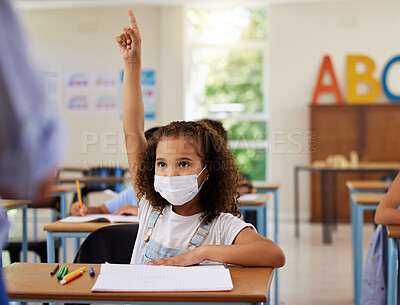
x: 125, y: 203
x: 30, y: 133
x: 186, y: 179
x: 387, y: 212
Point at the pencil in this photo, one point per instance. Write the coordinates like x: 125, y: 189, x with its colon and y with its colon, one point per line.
x: 78, y: 189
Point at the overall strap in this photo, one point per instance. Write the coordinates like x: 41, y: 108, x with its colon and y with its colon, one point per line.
x: 155, y: 213
x: 198, y: 237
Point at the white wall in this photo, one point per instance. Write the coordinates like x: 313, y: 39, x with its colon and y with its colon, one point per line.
x: 300, y: 35
x: 74, y: 40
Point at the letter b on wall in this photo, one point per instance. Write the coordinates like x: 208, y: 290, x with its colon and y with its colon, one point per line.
x: 355, y: 78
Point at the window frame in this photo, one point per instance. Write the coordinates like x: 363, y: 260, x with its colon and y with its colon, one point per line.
x: 262, y: 45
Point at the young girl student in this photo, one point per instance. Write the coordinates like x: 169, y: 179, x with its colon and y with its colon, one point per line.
x: 388, y: 212
x: 186, y: 179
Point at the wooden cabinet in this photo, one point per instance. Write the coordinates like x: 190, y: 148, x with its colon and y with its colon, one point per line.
x: 370, y: 130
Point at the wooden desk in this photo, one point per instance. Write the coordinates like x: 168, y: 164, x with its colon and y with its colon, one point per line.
x: 60, y: 191
x: 31, y: 282
x: 258, y: 204
x: 93, y: 179
x: 394, y: 237
x: 265, y: 186
x: 272, y: 187
x: 368, y: 185
x: 360, y: 202
x: 76, y: 230
x: 328, y: 191
x: 20, y: 204
x: 367, y: 198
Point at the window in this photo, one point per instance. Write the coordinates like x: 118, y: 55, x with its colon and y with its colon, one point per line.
x: 226, y: 68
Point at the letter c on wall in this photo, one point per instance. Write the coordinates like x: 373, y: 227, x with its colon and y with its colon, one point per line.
x: 390, y: 96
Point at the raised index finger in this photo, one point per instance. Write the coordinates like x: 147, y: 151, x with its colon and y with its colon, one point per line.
x: 133, y: 20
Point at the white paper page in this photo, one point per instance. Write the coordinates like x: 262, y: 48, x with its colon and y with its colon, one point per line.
x: 131, y: 278
x: 101, y: 217
x: 248, y: 197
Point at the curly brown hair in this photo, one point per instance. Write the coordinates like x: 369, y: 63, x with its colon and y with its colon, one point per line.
x: 219, y: 193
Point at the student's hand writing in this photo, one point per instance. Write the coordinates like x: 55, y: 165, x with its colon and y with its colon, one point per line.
x: 127, y: 210
x: 129, y: 42
x: 77, y: 211
x: 188, y: 258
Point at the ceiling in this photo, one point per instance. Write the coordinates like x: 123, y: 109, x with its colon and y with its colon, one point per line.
x: 60, y: 4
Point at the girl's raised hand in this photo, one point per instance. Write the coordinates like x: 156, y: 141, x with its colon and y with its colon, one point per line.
x: 129, y: 42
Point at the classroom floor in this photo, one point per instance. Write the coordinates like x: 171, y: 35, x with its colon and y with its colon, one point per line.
x: 315, y: 274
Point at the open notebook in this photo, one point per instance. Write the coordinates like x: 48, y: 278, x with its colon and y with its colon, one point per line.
x: 135, y: 278
x: 101, y: 218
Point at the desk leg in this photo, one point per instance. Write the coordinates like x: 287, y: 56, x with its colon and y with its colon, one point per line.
x: 325, y: 208
x: 276, y: 215
x: 333, y: 196
x: 50, y: 247
x: 392, y: 272
x: 358, y: 249
x: 354, y: 238
x: 24, y: 235
x: 261, y: 223
x: 77, y: 242
x: 276, y: 228
x: 296, y: 203
x: 63, y: 214
x: 35, y: 231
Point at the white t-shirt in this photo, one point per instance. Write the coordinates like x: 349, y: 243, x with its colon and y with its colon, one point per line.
x: 175, y: 231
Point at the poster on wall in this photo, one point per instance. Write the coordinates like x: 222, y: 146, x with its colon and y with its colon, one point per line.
x: 77, y: 80
x: 76, y: 103
x: 105, y: 80
x: 105, y: 103
x: 148, y: 92
x: 52, y: 83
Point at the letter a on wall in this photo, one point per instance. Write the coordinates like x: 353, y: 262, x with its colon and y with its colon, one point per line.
x: 332, y: 87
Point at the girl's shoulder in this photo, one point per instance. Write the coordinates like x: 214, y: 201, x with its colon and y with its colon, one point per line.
x: 224, y: 219
x: 145, y: 207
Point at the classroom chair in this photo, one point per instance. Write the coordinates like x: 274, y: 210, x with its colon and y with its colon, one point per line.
x: 39, y: 247
x: 112, y: 244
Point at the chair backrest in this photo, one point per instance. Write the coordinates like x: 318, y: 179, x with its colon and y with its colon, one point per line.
x: 112, y: 244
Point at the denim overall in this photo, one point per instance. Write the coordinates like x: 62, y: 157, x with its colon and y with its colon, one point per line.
x: 152, y: 250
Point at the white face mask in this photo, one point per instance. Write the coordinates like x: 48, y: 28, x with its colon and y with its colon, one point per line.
x: 177, y: 190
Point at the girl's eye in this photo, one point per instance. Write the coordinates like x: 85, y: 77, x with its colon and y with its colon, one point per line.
x: 161, y: 164
x: 183, y: 164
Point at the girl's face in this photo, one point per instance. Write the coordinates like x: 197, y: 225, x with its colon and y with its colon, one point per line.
x: 178, y: 156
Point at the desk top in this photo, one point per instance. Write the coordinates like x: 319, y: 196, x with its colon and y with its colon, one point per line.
x: 362, y: 166
x: 368, y: 184
x: 91, y: 226
x: 266, y: 186
x: 11, y: 203
x: 393, y: 231
x: 93, y: 179
x: 58, y: 189
x: 260, y: 199
x: 32, y: 281
x: 367, y: 198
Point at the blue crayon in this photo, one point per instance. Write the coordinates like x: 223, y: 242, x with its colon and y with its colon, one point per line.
x: 91, y: 271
